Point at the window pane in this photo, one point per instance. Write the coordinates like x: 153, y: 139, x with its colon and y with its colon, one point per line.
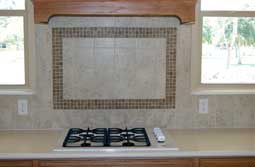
x: 228, y: 5
x: 12, y: 70
x: 12, y: 4
x: 228, y: 54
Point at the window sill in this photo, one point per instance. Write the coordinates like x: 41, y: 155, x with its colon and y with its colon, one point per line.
x: 223, y: 92
x: 13, y: 92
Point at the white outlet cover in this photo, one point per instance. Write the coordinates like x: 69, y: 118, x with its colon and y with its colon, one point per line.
x: 23, y: 107
x: 203, y: 106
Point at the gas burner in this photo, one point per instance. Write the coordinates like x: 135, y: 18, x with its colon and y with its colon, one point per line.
x: 128, y: 137
x: 103, y: 137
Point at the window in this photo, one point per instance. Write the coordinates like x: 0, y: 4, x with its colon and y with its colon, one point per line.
x: 14, y: 38
x: 226, y: 45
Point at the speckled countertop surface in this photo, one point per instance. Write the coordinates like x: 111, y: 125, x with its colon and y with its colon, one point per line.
x: 25, y: 144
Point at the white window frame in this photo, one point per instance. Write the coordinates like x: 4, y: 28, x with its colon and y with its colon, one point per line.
x: 29, y: 52
x: 197, y: 88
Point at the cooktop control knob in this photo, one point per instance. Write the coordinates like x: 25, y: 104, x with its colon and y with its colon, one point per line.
x: 159, y: 135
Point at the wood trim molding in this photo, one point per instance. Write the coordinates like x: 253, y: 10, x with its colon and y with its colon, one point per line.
x: 159, y: 162
x: 183, y: 9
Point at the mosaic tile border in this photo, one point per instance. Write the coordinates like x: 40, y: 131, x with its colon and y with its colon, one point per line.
x: 113, y: 32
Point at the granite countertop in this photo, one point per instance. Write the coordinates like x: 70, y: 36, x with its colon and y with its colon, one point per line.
x: 33, y: 144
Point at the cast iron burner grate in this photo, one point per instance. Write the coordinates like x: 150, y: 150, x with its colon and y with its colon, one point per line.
x: 105, y: 137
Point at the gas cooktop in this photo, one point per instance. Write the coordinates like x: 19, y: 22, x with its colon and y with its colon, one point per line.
x: 107, y: 137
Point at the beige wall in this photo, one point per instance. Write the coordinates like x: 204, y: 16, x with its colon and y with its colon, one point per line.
x: 224, y: 111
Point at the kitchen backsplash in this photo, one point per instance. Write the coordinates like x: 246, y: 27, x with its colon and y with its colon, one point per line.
x: 114, y: 68
x: 232, y: 111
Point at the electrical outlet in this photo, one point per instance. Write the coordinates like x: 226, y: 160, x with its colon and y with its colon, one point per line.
x: 203, y: 106
x: 22, y: 107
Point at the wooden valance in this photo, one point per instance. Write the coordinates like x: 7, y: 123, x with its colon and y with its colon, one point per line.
x: 183, y: 9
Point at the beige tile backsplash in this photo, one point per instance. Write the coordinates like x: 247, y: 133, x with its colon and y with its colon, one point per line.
x: 224, y: 111
x: 120, y: 68
x: 104, y: 83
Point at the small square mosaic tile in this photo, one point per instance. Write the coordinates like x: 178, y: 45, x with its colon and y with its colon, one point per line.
x: 59, y: 100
